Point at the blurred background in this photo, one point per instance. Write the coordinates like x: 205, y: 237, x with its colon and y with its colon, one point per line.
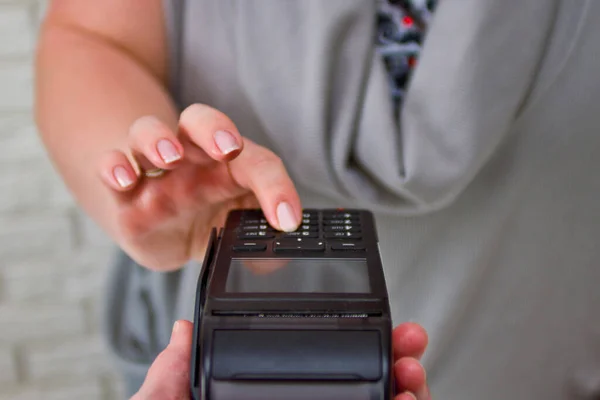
x: 52, y: 259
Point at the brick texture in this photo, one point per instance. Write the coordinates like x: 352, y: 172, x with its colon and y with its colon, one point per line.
x: 53, y: 260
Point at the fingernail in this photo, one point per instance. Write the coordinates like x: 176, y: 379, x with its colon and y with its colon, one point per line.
x: 167, y: 150
x: 174, y: 331
x: 122, y: 176
x: 285, y: 217
x: 226, y: 142
x: 412, y: 396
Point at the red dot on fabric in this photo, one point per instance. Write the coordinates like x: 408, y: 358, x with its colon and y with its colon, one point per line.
x: 412, y: 61
x: 408, y: 21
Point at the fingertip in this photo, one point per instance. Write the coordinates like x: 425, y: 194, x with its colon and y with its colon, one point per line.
x: 411, y: 328
x: 410, y: 340
x: 170, y: 151
x: 409, y: 374
x: 154, y: 143
x: 406, y: 396
x: 116, y: 172
x: 212, y: 131
x: 175, y: 329
x: 124, y: 177
x: 185, y: 326
x: 228, y: 145
x: 181, y: 333
x: 288, y: 219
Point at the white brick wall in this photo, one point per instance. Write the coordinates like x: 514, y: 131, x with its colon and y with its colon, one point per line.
x: 52, y: 259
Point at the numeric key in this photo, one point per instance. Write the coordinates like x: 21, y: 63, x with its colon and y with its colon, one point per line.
x: 298, y: 245
x: 341, y: 228
x: 256, y: 228
x: 256, y: 235
x: 249, y: 247
x: 343, y: 235
x: 304, y: 234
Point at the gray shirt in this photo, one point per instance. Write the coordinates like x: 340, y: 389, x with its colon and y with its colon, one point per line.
x: 485, y: 191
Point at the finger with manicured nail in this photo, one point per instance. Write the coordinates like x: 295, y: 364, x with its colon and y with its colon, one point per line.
x: 154, y: 145
x: 212, y: 131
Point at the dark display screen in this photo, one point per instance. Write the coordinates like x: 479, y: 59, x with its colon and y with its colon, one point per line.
x: 300, y: 275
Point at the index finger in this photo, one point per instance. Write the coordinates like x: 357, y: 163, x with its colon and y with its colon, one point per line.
x: 261, y: 171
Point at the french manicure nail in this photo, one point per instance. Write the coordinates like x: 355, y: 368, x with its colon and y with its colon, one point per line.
x: 226, y: 142
x: 122, y: 176
x: 285, y: 217
x: 167, y: 150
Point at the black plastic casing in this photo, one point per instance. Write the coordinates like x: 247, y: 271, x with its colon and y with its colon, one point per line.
x: 270, y: 346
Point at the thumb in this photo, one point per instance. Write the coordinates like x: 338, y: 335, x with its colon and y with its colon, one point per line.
x: 168, y: 377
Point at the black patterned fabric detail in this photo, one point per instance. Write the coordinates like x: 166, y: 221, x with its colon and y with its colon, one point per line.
x: 401, y: 27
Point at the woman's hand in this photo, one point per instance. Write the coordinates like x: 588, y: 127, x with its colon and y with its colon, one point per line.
x: 168, y: 377
x: 165, y: 221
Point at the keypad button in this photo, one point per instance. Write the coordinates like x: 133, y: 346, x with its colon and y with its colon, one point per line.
x: 341, y: 228
x: 299, y: 245
x: 309, y: 221
x: 249, y: 246
x: 339, y: 214
x: 304, y: 234
x: 347, y: 221
x: 347, y: 246
x: 256, y: 228
x: 254, y: 221
x: 256, y: 235
x: 308, y: 227
x: 342, y: 235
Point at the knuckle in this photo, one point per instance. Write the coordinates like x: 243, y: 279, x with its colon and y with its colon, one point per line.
x: 146, y: 127
x: 195, y: 113
x: 107, y: 161
x: 201, y: 114
x: 267, y: 161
